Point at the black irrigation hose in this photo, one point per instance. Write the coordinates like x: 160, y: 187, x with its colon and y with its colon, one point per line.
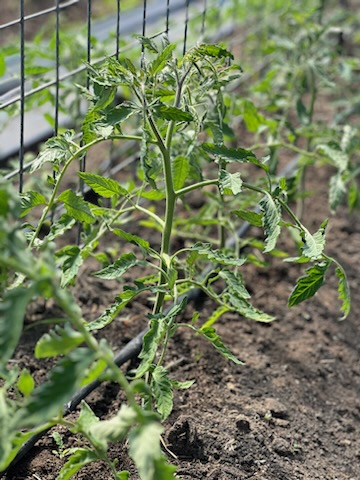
x: 133, y: 348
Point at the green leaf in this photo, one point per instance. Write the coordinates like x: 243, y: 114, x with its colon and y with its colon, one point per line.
x: 182, y: 385
x: 49, y: 398
x: 215, y: 316
x: 339, y: 158
x: 244, y: 308
x: 114, y: 429
x: 57, y: 151
x: 230, y: 154
x: 71, y: 259
x: 111, y: 312
x: 59, y: 341
x: 106, y: 187
x: 2, y: 64
x: 65, y: 222
x: 314, y: 244
x: 134, y: 239
x: 160, y: 61
x: 254, y: 218
x: 337, y: 190
x: 30, y: 200
x: 124, y: 475
x: 344, y: 291
x: 147, y: 43
x: 180, y: 170
x: 12, y: 313
x: 76, y: 207
x: 144, y: 449
x: 230, y: 183
x: 309, y: 284
x: 235, y: 283
x: 25, y: 383
x: 216, y: 256
x: 118, y: 114
x: 252, y: 118
x: 271, y: 220
x: 118, y: 268
x: 210, y: 334
x: 172, y: 113
x: 78, y: 459
x: 105, y: 97
x: 162, y: 389
x: 207, y: 50
x: 151, y: 341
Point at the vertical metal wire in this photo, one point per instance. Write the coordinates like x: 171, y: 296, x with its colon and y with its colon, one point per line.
x: 203, y: 19
x: 143, y: 31
x: 88, y: 59
x: 22, y: 94
x: 117, y: 29
x: 167, y: 17
x: 186, y: 25
x: 57, y: 67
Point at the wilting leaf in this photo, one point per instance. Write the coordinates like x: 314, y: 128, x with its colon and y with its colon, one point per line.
x: 344, y: 292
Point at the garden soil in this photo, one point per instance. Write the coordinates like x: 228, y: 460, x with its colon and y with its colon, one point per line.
x: 291, y: 412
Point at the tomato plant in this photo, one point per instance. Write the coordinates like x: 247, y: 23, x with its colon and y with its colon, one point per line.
x: 176, y: 112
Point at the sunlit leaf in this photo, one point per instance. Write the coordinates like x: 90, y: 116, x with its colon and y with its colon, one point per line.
x: 162, y: 390
x: 79, y: 458
x: 25, y: 383
x: 271, y: 220
x: 314, y: 244
x: 49, y: 398
x: 230, y: 183
x: 337, y: 191
x: 59, y: 341
x: 215, y: 315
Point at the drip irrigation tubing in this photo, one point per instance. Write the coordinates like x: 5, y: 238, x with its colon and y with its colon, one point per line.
x: 134, y: 346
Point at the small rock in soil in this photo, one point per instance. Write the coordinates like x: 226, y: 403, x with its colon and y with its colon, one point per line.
x: 276, y: 408
x: 281, y: 447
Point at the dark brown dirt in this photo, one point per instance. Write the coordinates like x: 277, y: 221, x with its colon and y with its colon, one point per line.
x: 292, y: 412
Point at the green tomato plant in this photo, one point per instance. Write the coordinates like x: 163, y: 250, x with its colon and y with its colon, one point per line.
x: 177, y: 115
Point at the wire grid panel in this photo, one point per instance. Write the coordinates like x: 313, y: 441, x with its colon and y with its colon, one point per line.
x: 38, y: 71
